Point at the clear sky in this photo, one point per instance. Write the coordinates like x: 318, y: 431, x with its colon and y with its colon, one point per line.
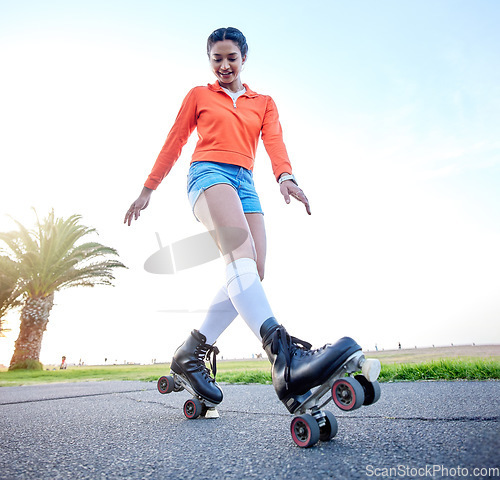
x: 391, y: 114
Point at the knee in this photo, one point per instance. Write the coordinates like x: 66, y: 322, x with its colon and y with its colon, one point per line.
x: 260, y: 265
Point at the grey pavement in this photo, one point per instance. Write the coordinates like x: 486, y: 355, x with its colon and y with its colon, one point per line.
x: 127, y: 430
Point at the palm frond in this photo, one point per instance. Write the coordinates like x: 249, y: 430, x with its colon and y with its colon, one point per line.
x: 52, y: 257
x: 10, y: 288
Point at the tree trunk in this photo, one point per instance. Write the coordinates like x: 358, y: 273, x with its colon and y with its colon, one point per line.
x: 34, y: 319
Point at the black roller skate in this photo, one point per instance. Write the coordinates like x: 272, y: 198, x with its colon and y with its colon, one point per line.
x: 189, y: 372
x: 297, y: 370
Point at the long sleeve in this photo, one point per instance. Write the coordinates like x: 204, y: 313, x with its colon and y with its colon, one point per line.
x: 178, y: 136
x: 272, y: 136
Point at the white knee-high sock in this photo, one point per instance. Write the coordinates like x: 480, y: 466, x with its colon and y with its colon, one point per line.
x: 247, y: 294
x: 219, y: 316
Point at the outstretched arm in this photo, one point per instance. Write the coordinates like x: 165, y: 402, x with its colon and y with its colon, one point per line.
x: 183, y: 126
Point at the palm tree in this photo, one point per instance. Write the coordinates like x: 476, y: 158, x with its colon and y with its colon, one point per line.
x: 41, y: 262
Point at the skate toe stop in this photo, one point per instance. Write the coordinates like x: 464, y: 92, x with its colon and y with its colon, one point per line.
x: 371, y: 369
x: 212, y: 413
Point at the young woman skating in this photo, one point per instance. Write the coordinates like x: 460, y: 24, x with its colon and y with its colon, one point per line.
x: 230, y: 118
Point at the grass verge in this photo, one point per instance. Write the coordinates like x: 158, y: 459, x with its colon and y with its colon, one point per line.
x: 256, y: 372
x: 445, y: 369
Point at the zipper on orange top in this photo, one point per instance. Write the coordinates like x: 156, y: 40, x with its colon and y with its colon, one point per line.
x: 234, y: 100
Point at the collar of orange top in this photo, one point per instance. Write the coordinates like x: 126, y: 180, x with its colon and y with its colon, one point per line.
x: 217, y: 88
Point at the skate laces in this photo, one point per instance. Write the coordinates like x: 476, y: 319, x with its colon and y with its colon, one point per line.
x: 290, y: 346
x: 207, y: 352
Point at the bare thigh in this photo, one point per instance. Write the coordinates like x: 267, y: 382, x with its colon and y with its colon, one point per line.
x: 219, y: 209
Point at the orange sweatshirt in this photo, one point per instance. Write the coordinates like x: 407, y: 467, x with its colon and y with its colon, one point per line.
x: 227, y: 132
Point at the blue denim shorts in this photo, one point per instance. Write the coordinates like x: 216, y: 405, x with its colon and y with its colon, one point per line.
x: 203, y: 175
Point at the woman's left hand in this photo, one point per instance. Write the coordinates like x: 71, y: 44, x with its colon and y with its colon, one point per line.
x: 290, y: 189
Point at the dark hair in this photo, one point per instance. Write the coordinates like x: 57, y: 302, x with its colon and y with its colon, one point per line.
x: 229, y: 33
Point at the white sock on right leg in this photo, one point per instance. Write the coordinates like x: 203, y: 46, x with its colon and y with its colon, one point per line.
x: 247, y: 294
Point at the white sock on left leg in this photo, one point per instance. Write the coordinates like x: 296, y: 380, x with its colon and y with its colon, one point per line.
x: 219, y: 316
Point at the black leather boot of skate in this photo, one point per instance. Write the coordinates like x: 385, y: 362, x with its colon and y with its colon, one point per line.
x: 189, y: 362
x: 296, y: 368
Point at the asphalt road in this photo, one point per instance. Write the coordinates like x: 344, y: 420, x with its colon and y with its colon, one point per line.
x: 108, y: 430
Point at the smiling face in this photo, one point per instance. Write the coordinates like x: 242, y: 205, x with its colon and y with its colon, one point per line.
x: 226, y: 62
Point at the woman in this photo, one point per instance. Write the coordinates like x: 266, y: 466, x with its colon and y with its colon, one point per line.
x: 230, y: 118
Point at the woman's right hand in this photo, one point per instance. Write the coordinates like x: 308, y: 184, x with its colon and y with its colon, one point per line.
x: 141, y: 203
